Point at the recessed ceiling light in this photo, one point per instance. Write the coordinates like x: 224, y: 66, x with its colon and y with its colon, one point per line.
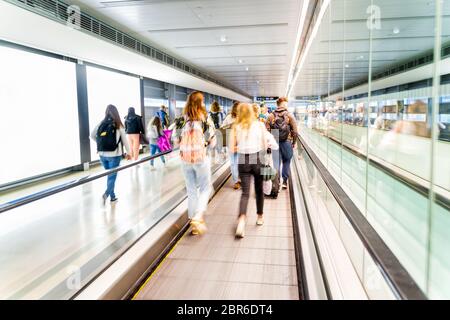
x: 396, y: 30
x: 246, y: 68
x: 347, y: 65
x: 241, y: 61
x: 223, y: 38
x: 360, y: 57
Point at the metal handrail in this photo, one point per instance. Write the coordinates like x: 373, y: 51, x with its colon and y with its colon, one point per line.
x: 72, y: 184
x: 396, y: 276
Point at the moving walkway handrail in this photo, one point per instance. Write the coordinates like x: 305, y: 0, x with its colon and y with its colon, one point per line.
x: 416, y: 186
x: 397, y: 277
x: 72, y: 184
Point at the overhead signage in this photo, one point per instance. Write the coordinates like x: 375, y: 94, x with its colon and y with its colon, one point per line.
x: 266, y: 98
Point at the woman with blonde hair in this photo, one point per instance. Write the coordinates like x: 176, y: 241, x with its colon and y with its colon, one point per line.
x: 227, y: 124
x: 250, y: 140
x: 197, y: 133
x: 256, y: 110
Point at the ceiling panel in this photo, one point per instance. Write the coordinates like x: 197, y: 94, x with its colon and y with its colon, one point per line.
x: 342, y: 42
x: 221, y: 37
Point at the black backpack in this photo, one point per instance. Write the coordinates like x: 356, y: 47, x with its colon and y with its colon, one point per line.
x: 216, y: 119
x: 133, y: 124
x: 106, y: 136
x: 281, y: 123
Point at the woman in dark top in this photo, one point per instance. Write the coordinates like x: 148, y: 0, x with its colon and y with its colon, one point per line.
x: 133, y: 128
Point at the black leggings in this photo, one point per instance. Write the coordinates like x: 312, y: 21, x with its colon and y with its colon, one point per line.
x: 250, y: 165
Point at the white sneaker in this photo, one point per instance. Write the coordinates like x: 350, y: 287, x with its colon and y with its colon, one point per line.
x: 260, y: 220
x: 240, y: 230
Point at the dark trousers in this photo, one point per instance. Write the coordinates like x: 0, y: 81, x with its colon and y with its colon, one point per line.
x: 284, y: 156
x: 250, y: 165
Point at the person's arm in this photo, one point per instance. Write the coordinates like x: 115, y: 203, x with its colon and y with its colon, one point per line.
x: 271, y: 142
x: 269, y: 121
x: 141, y: 125
x: 211, y: 133
x: 294, y: 129
x: 124, y: 139
x: 226, y: 121
x: 93, y: 135
x: 233, y: 141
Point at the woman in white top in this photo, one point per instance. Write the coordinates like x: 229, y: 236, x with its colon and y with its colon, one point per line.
x: 226, y: 124
x: 111, y: 159
x: 250, y: 139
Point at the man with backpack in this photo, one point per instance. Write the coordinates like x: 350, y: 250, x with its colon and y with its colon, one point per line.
x: 283, y: 126
x: 163, y: 116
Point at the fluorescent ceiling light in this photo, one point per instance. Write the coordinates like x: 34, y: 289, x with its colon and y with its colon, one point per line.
x: 323, y: 9
x: 300, y: 27
x: 223, y: 38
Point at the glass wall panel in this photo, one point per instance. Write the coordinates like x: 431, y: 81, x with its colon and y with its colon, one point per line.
x: 108, y: 87
x: 439, y: 259
x: 39, y: 115
x: 371, y: 64
x: 399, y: 138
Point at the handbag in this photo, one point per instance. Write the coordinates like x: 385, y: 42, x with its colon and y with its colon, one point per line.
x: 267, y: 170
x: 163, y: 141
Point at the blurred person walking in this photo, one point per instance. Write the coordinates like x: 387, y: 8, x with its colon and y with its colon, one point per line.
x: 283, y: 126
x: 134, y: 128
x: 111, y: 139
x: 250, y: 140
x: 154, y: 131
x: 197, y: 134
x: 227, y: 125
x: 163, y: 116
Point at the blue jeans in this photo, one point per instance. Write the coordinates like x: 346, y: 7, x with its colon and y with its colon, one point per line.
x: 283, y: 155
x: 154, y: 149
x: 234, y: 159
x: 198, y: 187
x: 110, y: 163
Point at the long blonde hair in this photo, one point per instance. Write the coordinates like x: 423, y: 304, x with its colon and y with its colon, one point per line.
x: 256, y: 110
x: 245, y: 115
x: 195, y: 109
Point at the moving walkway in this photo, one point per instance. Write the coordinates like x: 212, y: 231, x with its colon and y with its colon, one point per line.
x: 62, y: 244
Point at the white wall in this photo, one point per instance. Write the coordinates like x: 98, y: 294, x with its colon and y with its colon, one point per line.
x: 24, y: 27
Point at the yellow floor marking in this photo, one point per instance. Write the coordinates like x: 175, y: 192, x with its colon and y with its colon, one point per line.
x: 159, y: 265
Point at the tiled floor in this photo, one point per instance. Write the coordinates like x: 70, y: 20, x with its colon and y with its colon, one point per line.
x: 218, y: 266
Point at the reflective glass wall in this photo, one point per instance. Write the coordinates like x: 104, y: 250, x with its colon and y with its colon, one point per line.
x: 381, y: 125
x: 38, y: 114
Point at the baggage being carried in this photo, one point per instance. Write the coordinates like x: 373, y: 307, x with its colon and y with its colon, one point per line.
x: 271, y: 183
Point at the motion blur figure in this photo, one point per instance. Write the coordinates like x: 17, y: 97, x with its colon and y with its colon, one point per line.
x: 227, y: 124
x: 197, y: 133
x: 134, y: 128
x: 284, y: 127
x: 250, y: 140
x: 111, y: 138
x: 154, y: 131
